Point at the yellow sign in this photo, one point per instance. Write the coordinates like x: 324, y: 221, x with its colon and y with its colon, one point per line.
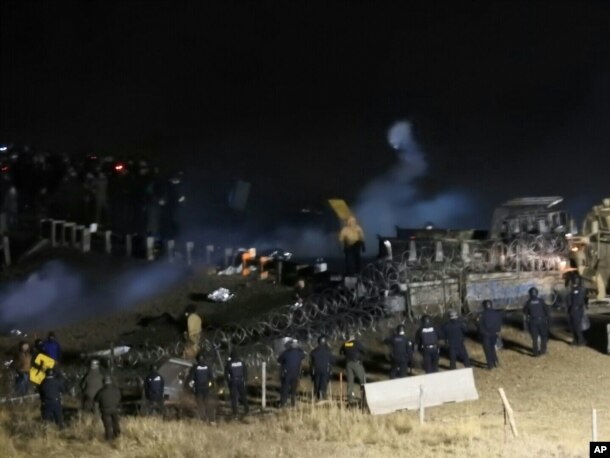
x: 39, y: 368
x: 340, y: 208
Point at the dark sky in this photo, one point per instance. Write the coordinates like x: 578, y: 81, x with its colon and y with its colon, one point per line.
x: 507, y: 98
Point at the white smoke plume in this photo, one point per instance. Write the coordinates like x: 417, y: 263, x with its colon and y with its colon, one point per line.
x: 392, y: 199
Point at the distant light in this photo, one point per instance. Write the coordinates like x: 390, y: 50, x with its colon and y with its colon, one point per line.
x: 119, y: 167
x: 182, y: 199
x: 3, y: 148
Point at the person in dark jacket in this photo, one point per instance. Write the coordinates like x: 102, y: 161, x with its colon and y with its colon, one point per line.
x: 51, y: 347
x: 153, y: 392
x: 353, y: 350
x: 321, y: 361
x: 401, y: 352
x: 236, y: 374
x: 453, y: 333
x: 537, y: 316
x: 290, y: 371
x: 577, y: 302
x: 92, y: 382
x: 109, y: 400
x: 426, y: 340
x: 490, y: 325
x: 50, y: 392
x: 200, y: 380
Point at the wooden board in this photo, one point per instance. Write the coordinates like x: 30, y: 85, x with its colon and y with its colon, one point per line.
x: 404, y: 393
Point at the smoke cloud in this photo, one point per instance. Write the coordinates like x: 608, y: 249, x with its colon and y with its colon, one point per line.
x: 392, y: 199
x: 57, y: 295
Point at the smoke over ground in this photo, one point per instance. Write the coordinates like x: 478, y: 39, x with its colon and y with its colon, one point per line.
x: 58, y: 295
x: 392, y: 199
x: 389, y: 200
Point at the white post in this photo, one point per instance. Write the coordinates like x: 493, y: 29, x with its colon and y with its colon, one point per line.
x: 64, y: 235
x: 209, y: 249
x: 412, y: 251
x: 594, y: 424
x: 86, y: 241
x: 171, y: 244
x: 264, y: 386
x: 421, y: 405
x: 189, y: 253
x: 465, y: 252
x: 150, y: 248
x: 228, y: 254
x: 439, y: 255
x: 7, y: 250
x: 128, y: 245
x: 108, y: 240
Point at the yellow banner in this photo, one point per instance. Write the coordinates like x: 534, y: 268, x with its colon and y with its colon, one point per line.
x: 340, y: 208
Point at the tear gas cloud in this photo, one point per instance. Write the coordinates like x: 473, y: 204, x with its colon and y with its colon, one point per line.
x: 389, y: 200
x: 392, y: 199
x: 58, y: 295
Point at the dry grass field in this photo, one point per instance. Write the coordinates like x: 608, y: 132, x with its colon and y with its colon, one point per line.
x: 552, y: 398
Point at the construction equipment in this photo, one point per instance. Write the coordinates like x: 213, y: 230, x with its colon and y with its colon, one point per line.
x: 590, y: 250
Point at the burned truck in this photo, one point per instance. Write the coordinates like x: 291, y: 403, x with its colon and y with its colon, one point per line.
x: 442, y: 269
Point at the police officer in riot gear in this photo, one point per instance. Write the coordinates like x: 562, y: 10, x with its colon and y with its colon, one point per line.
x: 200, y: 380
x: 577, y: 302
x: 153, y: 392
x: 453, y: 333
x: 537, y: 315
x: 236, y: 374
x: 401, y: 352
x: 321, y: 361
x: 353, y: 350
x: 50, y: 392
x: 426, y: 339
x: 290, y: 370
x: 490, y: 325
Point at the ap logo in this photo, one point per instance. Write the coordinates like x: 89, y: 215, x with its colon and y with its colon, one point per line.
x: 599, y: 449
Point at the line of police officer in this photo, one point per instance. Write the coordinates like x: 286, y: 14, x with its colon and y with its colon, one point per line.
x: 99, y: 393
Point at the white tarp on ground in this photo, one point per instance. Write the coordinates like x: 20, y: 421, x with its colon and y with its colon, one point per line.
x: 404, y: 393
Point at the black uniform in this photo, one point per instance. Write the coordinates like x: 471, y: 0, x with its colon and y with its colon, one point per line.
x: 577, y: 299
x: 321, y: 361
x: 50, y: 399
x: 353, y: 351
x: 290, y: 370
x: 536, y: 312
x: 153, y: 393
x: 426, y: 339
x: 109, y: 400
x: 490, y: 325
x: 453, y: 333
x: 401, y: 354
x: 236, y: 374
x: 201, y: 376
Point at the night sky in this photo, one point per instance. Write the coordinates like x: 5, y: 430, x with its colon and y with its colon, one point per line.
x: 506, y: 98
